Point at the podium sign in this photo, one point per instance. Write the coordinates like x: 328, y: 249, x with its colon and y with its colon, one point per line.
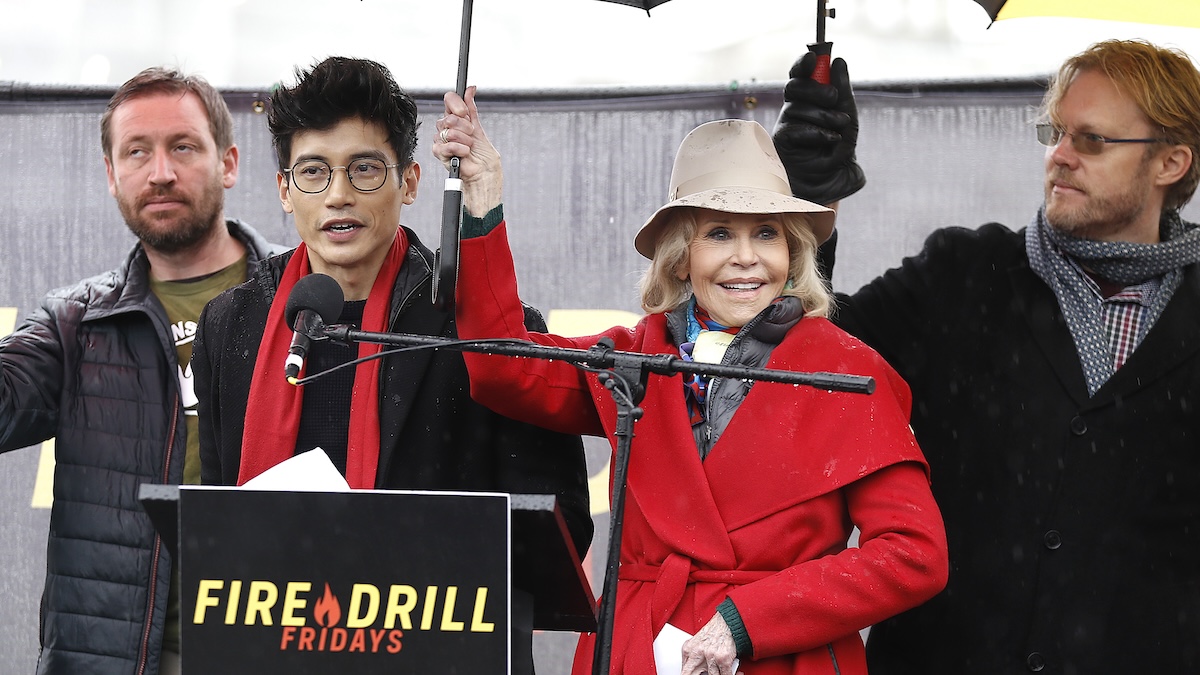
x: 357, y: 582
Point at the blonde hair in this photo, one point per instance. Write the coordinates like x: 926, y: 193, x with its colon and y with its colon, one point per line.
x: 662, y: 290
x: 1164, y: 84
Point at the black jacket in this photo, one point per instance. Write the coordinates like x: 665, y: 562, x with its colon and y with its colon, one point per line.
x: 432, y: 435
x: 1073, y: 523
x: 95, y: 368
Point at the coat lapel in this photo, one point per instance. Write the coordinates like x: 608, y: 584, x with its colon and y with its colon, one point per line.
x: 402, y: 374
x: 666, y: 476
x: 1037, y: 304
x: 1173, y: 338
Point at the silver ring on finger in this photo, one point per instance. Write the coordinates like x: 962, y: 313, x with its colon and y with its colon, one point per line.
x: 445, y: 133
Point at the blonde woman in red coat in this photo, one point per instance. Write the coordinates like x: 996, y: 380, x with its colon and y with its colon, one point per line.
x: 740, y: 497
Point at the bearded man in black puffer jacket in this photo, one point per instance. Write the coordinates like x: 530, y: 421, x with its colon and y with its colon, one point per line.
x: 101, y: 367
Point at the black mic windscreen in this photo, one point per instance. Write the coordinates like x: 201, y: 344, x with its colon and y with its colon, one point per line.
x: 317, y: 292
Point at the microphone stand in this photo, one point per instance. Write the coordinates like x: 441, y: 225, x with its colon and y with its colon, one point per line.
x: 624, y: 374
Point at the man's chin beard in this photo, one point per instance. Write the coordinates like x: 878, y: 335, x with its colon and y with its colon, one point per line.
x: 1065, y: 219
x: 175, y: 237
x: 1085, y: 224
x: 174, y: 234
x: 1065, y: 225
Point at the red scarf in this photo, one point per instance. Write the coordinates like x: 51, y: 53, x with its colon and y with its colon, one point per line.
x: 273, y: 407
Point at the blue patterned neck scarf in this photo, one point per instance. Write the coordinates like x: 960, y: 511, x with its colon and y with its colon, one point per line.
x: 696, y: 388
x: 1051, y: 252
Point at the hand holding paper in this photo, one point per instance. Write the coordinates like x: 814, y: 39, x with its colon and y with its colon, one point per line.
x: 677, y: 652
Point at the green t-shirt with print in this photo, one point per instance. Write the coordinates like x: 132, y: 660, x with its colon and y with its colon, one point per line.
x: 183, y: 301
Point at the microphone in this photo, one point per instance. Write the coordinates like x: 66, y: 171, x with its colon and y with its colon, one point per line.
x: 315, y: 300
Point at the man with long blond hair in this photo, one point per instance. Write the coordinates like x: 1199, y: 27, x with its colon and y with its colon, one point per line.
x: 1055, y: 375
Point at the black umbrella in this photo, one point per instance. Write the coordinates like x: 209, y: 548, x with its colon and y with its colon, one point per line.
x: 642, y: 4
x: 992, y: 7
x: 820, y: 47
x: 446, y: 274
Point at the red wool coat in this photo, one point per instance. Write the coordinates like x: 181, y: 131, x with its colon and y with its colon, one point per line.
x: 765, y: 518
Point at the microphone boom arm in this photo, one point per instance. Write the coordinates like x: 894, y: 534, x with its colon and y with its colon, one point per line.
x: 606, y: 358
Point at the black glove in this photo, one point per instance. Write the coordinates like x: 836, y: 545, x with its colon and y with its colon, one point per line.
x: 817, y: 132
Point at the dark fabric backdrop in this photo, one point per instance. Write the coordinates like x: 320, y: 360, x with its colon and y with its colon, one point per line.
x: 584, y: 169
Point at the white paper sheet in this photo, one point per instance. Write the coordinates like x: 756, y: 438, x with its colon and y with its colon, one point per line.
x: 310, y: 471
x: 668, y: 650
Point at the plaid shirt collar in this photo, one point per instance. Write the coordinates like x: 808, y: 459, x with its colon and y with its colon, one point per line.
x: 1123, y: 313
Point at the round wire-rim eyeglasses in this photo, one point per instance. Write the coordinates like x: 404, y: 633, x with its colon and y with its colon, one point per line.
x: 313, y: 176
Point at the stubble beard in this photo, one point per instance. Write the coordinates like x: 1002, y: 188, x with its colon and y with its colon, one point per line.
x: 170, y: 234
x: 1102, y: 216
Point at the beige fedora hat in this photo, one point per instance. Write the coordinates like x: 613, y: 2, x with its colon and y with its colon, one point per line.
x: 731, y: 166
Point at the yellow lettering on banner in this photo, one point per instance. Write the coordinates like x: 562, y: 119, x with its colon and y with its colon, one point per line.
x: 576, y: 323
x: 580, y: 322
x: 363, y: 613
x: 260, y: 600
x: 478, y: 625
x: 235, y: 599
x: 291, y: 603
x: 43, y: 484
x: 353, y: 620
x: 205, y: 598
x: 396, y: 609
x: 427, y: 614
x: 8, y: 320
x: 598, y: 490
x: 448, y: 622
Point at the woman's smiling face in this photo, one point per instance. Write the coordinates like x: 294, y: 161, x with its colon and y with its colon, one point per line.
x: 737, y: 264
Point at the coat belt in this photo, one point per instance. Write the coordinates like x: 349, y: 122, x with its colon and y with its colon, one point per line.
x: 671, y: 578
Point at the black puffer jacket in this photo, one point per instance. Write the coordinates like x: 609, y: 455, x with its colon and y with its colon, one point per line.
x: 95, y: 368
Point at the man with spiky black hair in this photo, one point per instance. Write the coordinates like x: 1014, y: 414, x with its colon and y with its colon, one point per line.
x: 344, y: 135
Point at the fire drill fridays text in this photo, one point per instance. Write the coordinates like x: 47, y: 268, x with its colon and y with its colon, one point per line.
x: 262, y: 600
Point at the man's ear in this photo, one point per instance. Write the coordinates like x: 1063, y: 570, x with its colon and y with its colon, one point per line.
x: 1176, y: 162
x: 284, y: 197
x: 112, y: 178
x: 411, y: 176
x: 229, y: 167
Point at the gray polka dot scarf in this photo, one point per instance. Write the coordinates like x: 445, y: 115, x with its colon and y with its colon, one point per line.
x: 1121, y: 262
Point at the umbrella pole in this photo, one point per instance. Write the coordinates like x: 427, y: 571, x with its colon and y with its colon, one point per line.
x: 464, y: 46
x: 821, y: 48
x: 446, y: 259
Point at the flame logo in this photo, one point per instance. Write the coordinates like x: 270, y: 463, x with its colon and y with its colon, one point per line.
x: 326, y: 611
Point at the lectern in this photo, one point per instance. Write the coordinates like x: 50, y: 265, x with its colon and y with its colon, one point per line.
x: 367, y: 581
